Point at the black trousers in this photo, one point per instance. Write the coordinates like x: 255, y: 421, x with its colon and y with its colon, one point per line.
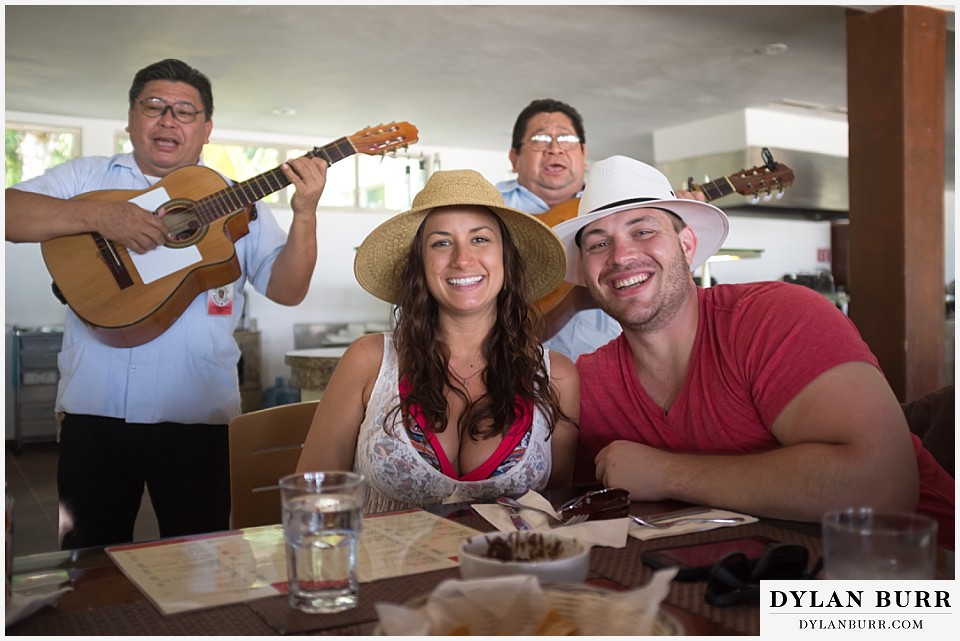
x: 105, y: 462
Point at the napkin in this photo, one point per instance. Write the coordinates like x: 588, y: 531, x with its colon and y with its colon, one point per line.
x: 515, y: 605
x: 645, y: 533
x: 607, y: 533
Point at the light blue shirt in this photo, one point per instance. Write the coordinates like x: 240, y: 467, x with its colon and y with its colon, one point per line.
x: 188, y: 374
x: 589, y: 328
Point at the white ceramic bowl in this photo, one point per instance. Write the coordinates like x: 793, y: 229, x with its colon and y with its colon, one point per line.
x: 550, y: 557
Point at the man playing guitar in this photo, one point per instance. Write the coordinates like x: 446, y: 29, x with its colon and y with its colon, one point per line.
x: 156, y: 414
x: 548, y: 153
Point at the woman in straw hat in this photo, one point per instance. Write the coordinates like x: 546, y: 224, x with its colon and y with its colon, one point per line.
x: 460, y: 401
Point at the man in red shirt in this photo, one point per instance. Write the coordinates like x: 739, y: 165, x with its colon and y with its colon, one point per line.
x: 757, y: 397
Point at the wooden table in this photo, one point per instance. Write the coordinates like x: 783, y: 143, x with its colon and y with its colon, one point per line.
x: 105, y: 602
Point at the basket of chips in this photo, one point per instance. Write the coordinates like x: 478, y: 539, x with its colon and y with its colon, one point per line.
x: 521, y: 606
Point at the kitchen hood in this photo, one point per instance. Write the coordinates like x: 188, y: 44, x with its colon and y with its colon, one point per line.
x: 819, y: 191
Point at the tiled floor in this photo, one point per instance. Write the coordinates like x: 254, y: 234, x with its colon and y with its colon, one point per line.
x: 31, y: 477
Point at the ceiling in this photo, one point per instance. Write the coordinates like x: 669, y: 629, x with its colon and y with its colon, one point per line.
x: 460, y: 73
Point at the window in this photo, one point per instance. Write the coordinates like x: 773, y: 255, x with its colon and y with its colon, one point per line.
x: 359, y: 181
x: 389, y: 182
x: 373, y: 182
x: 32, y: 149
x: 237, y: 162
x: 242, y: 162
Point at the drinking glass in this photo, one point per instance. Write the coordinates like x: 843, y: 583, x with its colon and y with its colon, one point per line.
x: 322, y: 516
x: 861, y: 543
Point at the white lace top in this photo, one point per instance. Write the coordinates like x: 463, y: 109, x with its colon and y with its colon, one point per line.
x: 398, y: 477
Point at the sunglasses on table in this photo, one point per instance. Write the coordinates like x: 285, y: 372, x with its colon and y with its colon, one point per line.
x: 735, y: 580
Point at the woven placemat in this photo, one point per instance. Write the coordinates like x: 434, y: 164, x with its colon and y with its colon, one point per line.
x: 142, y: 618
x: 627, y: 568
x: 283, y: 619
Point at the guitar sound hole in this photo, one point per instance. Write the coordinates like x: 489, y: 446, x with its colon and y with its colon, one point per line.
x: 182, y: 221
x: 188, y: 233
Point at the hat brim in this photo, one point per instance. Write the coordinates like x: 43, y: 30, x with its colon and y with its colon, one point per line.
x: 709, y: 224
x: 380, y: 255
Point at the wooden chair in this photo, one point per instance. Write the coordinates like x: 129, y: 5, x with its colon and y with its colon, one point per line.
x: 265, y: 445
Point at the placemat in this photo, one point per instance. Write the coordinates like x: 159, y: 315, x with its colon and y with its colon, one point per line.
x: 283, y: 619
x: 142, y: 618
x: 626, y: 568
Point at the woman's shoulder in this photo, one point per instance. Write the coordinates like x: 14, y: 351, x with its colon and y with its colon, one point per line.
x: 560, y: 365
x: 366, y: 351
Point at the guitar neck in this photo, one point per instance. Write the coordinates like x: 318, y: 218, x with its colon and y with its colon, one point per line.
x: 717, y: 188
x: 243, y: 194
x: 763, y: 179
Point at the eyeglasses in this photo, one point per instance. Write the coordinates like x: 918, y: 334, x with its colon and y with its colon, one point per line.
x: 157, y: 107
x: 734, y: 580
x: 542, y: 142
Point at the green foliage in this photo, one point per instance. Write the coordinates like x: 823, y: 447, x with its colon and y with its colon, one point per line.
x: 30, y: 152
x: 14, y: 164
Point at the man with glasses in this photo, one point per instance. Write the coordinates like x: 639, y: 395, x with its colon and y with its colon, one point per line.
x: 548, y: 153
x: 157, y: 414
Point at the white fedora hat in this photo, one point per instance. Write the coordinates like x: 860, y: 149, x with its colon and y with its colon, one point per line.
x: 619, y: 183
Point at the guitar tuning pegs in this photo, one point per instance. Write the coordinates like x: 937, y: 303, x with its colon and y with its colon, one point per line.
x: 779, y: 194
x: 767, y: 196
x: 755, y: 199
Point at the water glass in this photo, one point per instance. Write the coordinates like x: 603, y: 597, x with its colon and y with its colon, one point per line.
x: 322, y: 516
x: 861, y: 543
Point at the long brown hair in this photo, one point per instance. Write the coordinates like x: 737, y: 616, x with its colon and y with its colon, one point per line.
x: 515, y: 361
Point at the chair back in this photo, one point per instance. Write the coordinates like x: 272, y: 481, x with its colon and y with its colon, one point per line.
x: 265, y: 445
x: 933, y: 418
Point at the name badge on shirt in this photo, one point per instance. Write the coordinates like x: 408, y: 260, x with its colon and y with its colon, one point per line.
x: 220, y: 301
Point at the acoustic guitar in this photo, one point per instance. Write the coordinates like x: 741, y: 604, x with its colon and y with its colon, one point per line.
x: 100, y: 282
x: 765, y: 180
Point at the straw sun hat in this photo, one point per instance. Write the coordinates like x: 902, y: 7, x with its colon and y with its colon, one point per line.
x: 379, y: 257
x: 619, y: 183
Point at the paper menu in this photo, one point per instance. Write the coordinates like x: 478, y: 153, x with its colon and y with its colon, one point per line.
x: 411, y: 542
x: 179, y: 575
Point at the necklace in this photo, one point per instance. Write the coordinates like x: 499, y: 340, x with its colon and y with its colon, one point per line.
x: 463, y: 380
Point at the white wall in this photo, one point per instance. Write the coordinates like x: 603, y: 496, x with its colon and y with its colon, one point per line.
x: 789, y: 246
x: 767, y: 128
x: 751, y: 127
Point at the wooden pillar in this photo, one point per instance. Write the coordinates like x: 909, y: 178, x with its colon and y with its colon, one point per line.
x: 895, y: 97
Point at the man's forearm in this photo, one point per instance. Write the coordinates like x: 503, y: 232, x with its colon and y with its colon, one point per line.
x: 31, y: 217
x: 798, y: 482
x: 293, y: 269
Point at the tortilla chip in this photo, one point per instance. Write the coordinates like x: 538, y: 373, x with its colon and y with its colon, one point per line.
x: 555, y: 624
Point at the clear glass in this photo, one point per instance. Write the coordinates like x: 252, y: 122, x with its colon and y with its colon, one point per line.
x: 860, y: 543
x: 322, y: 521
